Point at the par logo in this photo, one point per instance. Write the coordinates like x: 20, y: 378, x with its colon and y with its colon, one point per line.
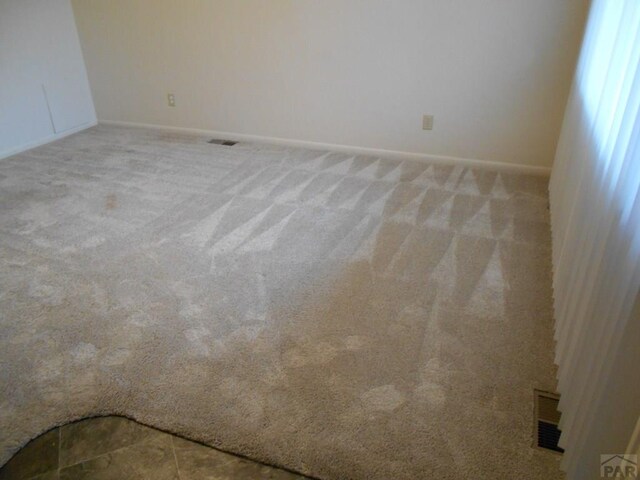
x: 619, y: 466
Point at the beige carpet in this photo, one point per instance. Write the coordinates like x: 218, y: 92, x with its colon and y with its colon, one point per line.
x: 344, y: 317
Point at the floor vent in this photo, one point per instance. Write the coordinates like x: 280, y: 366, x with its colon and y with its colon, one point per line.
x: 547, y: 418
x: 226, y: 143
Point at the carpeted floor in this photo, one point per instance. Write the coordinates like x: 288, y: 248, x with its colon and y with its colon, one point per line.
x: 345, y: 318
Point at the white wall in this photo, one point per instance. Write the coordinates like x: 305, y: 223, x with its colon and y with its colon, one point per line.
x: 495, y: 73
x: 44, y: 91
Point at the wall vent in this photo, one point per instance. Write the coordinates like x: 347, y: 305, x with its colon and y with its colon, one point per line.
x: 226, y: 143
x: 547, y: 418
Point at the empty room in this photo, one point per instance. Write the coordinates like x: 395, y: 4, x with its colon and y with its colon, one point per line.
x: 319, y: 239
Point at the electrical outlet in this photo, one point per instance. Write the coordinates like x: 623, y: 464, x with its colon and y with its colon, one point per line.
x: 171, y: 100
x: 427, y: 122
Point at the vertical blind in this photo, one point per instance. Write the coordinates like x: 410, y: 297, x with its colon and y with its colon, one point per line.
x: 595, y: 216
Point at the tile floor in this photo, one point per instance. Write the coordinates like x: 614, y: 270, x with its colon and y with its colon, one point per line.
x: 115, y: 448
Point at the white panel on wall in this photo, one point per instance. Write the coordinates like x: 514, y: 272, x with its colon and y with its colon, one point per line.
x: 44, y: 90
x: 66, y: 79
x: 23, y: 111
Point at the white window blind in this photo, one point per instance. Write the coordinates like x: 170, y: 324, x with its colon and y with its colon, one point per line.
x: 595, y: 210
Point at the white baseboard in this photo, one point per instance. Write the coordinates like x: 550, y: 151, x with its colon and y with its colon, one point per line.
x: 242, y: 137
x: 45, y: 140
